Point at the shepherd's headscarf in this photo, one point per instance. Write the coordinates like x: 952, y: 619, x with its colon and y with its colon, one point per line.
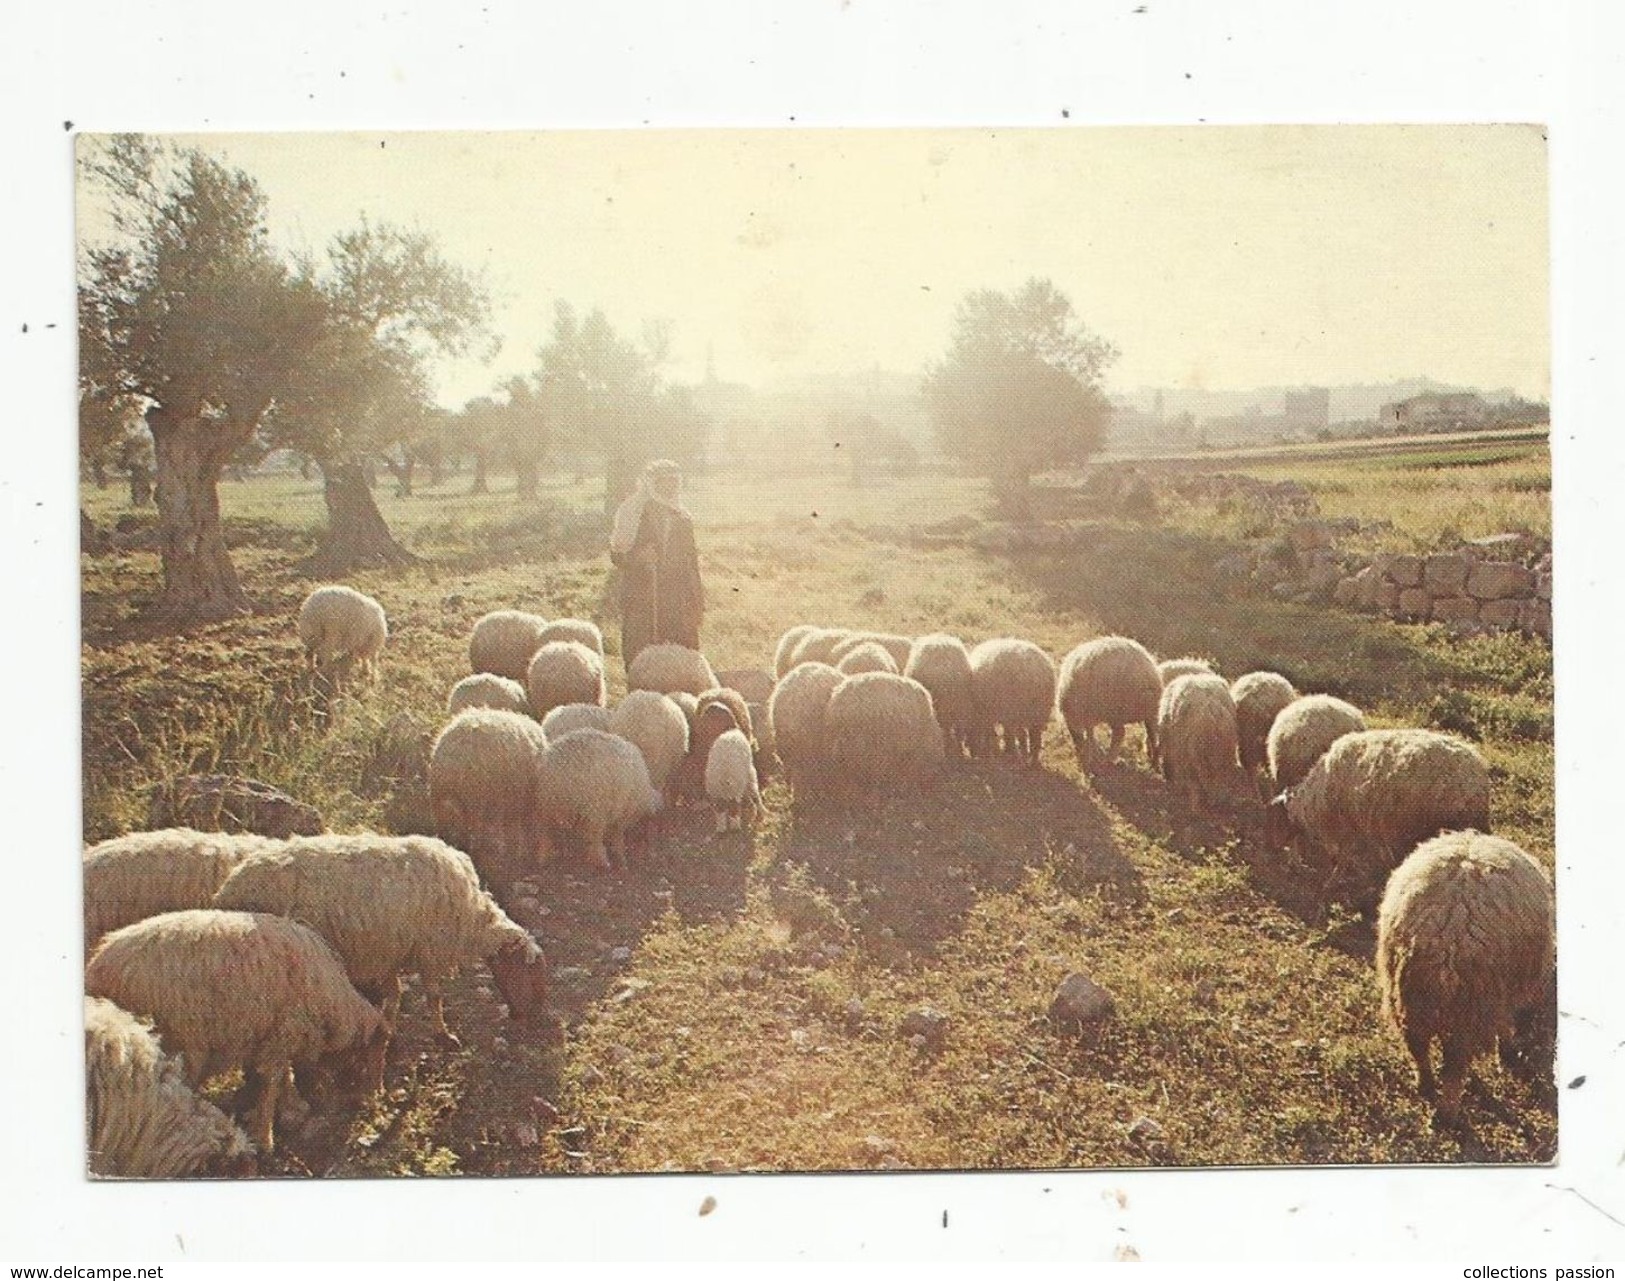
x: 629, y: 515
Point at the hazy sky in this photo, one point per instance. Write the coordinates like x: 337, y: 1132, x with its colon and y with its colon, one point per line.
x: 1212, y: 257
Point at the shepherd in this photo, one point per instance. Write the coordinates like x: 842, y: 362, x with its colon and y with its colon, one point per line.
x: 652, y: 543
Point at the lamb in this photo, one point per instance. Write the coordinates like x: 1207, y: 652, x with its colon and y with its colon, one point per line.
x: 567, y: 717
x: 1196, y: 733
x: 596, y: 784
x: 1013, y: 689
x: 881, y: 730
x: 818, y: 646
x: 1111, y: 681
x: 142, y: 1120
x: 392, y: 906
x: 730, y: 780
x: 1171, y: 669
x: 896, y: 647
x: 1259, y: 697
x: 797, y: 712
x: 573, y: 629
x: 503, y: 642
x: 1301, y: 733
x: 657, y: 727
x: 239, y: 990
x: 130, y: 878
x: 1374, y: 796
x: 485, y: 690
x: 668, y: 668
x: 1465, y: 945
x: 564, y: 672
x: 755, y: 683
x: 340, y: 626
x: 867, y: 656
x: 942, y: 664
x: 482, y: 785
x: 786, y: 648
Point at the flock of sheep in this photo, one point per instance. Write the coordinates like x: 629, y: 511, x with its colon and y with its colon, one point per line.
x: 272, y: 956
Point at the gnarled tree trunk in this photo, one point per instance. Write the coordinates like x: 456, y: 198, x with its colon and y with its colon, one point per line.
x: 479, y: 486
x: 200, y: 582
x: 402, y: 471
x: 356, y: 533
x: 527, y: 474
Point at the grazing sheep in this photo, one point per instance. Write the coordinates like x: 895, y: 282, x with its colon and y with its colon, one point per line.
x: 657, y: 727
x: 482, y: 786
x: 573, y: 629
x: 142, y: 1120
x: 573, y: 716
x: 687, y: 703
x: 130, y: 878
x: 340, y: 626
x: 786, y: 648
x: 942, y: 664
x: 1196, y: 735
x: 881, y: 731
x: 897, y: 647
x: 730, y: 780
x: 392, y: 906
x: 1171, y: 669
x: 711, y: 721
x: 668, y: 668
x: 818, y: 646
x: 866, y: 656
x: 503, y: 642
x: 596, y: 784
x: 1374, y: 796
x: 796, y: 712
x: 1111, y: 681
x: 1259, y: 697
x: 239, y: 990
x: 486, y: 690
x: 755, y: 683
x: 564, y: 672
x: 735, y: 702
x: 1013, y: 689
x: 1465, y: 944
x: 1300, y: 734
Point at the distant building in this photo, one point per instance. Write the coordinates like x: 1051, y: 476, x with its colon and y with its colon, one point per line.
x: 1437, y: 411
x: 1307, y: 409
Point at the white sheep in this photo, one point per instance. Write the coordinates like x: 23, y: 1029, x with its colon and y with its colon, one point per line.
x: 564, y: 672
x: 668, y: 668
x: 1300, y: 734
x: 796, y: 712
x: 730, y: 780
x: 1259, y: 697
x: 942, y: 664
x: 882, y: 731
x: 866, y: 656
x: 1465, y: 944
x: 483, y: 689
x: 786, y: 648
x: 142, y: 1120
x: 339, y: 626
x: 657, y: 727
x: 566, y: 717
x: 1196, y: 736
x: 243, y: 990
x: 503, y: 641
x: 1110, y: 681
x: 1171, y: 669
x: 755, y: 683
x: 735, y: 702
x: 687, y: 703
x: 393, y: 906
x: 1373, y: 797
x: 142, y: 874
x: 1013, y: 690
x: 482, y: 785
x: 573, y: 629
x: 818, y: 646
x: 897, y: 647
x: 718, y: 711
x: 597, y: 785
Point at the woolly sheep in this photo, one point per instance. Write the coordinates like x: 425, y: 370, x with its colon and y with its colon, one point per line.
x: 882, y: 730
x: 1259, y: 697
x: 142, y: 1120
x: 1171, y: 669
x: 238, y: 990
x: 339, y: 626
x: 897, y: 647
x: 1373, y: 796
x: 1196, y: 736
x: 596, y: 784
x: 686, y: 702
x: 711, y: 720
x: 657, y: 727
x: 564, y: 672
x: 734, y: 701
x: 573, y: 716
x: 942, y: 664
x: 130, y: 878
x: 1301, y: 733
x: 393, y: 906
x: 1110, y: 681
x: 755, y: 683
x: 482, y: 784
x: 868, y: 656
x: 503, y: 642
x: 1013, y: 689
x: 797, y: 711
x: 786, y: 648
x: 818, y: 646
x: 668, y: 668
x: 730, y: 780
x: 1465, y: 940
x: 573, y: 629
x: 486, y: 690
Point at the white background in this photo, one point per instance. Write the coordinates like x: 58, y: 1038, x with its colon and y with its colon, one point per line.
x: 302, y: 65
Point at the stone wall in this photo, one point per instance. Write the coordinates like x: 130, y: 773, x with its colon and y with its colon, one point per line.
x: 1465, y: 589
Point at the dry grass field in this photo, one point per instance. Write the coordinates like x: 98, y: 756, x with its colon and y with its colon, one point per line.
x: 738, y: 1003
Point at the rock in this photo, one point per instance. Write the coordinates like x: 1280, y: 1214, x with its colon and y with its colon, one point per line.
x: 1445, y: 575
x: 1387, y: 598
x: 1321, y: 581
x: 1284, y: 590
x: 1454, y: 609
x: 591, y: 1077
x: 854, y: 1013
x: 1347, y: 592
x: 499, y: 1045
x: 1543, y: 585
x: 1404, y: 570
x: 1309, y: 535
x: 927, y: 1023
x: 525, y: 1135
x: 1366, y: 583
x: 1413, y: 603
x: 1145, y: 1130
x: 1080, y: 1002
x: 1495, y: 580
x: 1500, y: 613
x: 620, y: 955
x: 1536, y: 617
x: 231, y: 803
x: 618, y: 1053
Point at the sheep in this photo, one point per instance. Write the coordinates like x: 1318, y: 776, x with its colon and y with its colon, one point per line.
x: 881, y: 730
x: 392, y: 906
x: 1259, y: 698
x: 243, y: 990
x: 786, y: 648
x: 340, y: 626
x: 867, y: 656
x: 130, y: 878
x: 1171, y: 669
x: 686, y: 702
x: 564, y: 672
x: 735, y: 703
x: 897, y: 647
x: 818, y: 646
x: 796, y: 712
x: 942, y: 664
x: 755, y: 683
x: 596, y: 784
x: 142, y: 1120
x: 503, y: 641
x: 566, y: 717
x: 573, y: 629
x: 711, y: 721
x: 1373, y: 796
x: 1196, y: 735
x: 668, y: 668
x: 485, y: 690
x: 658, y: 727
x: 730, y: 780
x: 1301, y: 733
x: 1013, y: 689
x: 1465, y: 945
x: 482, y: 785
x: 1111, y: 681
x: 762, y: 729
